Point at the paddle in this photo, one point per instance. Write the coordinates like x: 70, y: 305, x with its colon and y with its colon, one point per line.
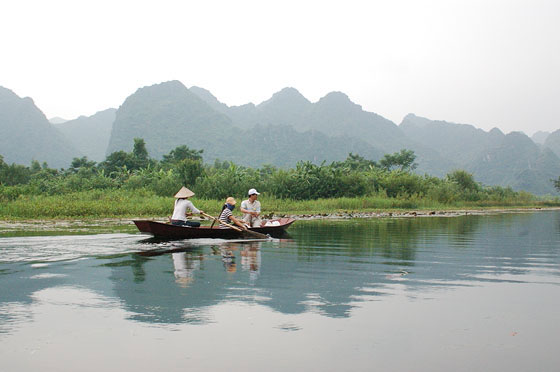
x: 249, y: 232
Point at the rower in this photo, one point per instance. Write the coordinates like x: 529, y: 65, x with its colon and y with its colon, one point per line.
x: 183, y: 203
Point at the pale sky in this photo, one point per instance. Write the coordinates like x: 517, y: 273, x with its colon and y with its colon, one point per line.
x: 485, y: 63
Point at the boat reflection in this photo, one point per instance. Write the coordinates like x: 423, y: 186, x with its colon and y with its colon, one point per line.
x: 185, y: 264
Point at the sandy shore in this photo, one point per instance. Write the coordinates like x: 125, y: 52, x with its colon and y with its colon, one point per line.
x: 111, y: 224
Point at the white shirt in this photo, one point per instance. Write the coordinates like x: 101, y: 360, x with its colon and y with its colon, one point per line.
x: 180, y: 211
x: 251, y: 207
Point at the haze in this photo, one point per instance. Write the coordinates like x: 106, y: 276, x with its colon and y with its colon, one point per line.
x: 490, y: 64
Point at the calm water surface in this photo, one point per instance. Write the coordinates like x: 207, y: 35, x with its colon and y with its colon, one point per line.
x: 473, y: 293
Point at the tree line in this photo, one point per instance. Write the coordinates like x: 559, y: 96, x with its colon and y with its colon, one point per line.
x: 392, y: 176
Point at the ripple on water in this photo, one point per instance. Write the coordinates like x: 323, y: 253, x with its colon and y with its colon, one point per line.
x: 43, y: 249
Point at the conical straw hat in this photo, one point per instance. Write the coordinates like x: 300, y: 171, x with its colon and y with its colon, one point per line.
x: 184, y: 193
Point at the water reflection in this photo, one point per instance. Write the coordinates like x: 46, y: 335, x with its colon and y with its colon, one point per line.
x: 251, y: 260
x: 185, y: 265
x: 328, y: 267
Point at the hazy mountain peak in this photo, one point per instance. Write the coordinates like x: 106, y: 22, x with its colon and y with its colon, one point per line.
x: 417, y: 121
x: 287, y: 96
x: 552, y: 141
x: 26, y: 134
x: 209, y: 98
x: 57, y: 120
x: 90, y: 134
x: 5, y: 93
x: 337, y: 98
x: 540, y: 137
x: 518, y: 138
x: 203, y: 93
x: 167, y: 115
x: 495, y: 135
x: 167, y: 87
x: 289, y: 92
x: 169, y: 92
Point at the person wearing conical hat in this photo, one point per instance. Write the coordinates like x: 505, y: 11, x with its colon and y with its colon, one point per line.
x: 182, y: 203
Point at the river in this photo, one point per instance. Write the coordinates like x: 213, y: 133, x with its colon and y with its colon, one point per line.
x: 470, y: 293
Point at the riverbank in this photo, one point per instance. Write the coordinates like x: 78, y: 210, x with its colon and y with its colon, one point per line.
x: 32, y: 227
x: 126, y: 204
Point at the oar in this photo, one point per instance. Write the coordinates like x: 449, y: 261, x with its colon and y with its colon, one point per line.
x: 254, y: 233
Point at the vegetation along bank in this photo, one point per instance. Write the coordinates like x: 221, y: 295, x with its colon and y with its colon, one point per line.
x: 133, y: 184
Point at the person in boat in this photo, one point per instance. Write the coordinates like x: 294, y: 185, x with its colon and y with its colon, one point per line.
x: 227, y: 217
x: 182, y: 203
x: 251, y: 209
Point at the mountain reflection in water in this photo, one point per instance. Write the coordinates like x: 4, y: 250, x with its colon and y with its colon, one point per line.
x: 329, y: 267
x: 326, y: 267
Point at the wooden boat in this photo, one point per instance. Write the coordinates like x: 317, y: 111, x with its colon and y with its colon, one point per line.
x: 168, y: 231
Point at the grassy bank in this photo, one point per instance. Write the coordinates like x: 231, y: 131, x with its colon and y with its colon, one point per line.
x: 141, y: 203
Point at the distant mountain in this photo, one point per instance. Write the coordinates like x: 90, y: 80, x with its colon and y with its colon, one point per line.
x: 279, y: 131
x: 517, y: 162
x: 440, y: 146
x: 26, y: 134
x: 57, y: 120
x: 553, y: 142
x: 459, y: 143
x: 90, y: 134
x: 334, y: 115
x: 493, y: 157
x: 168, y: 115
x: 539, y: 137
x: 283, y: 146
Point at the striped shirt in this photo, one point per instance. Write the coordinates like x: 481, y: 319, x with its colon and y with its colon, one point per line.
x: 224, y: 217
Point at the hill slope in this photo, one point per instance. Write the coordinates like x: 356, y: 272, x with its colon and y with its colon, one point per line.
x: 26, y: 134
x: 90, y: 134
x: 167, y: 115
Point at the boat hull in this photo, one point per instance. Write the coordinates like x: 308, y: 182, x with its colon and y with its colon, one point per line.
x: 168, y: 231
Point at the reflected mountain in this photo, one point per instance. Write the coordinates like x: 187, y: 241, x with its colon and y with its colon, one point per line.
x: 331, y: 266
x: 328, y: 267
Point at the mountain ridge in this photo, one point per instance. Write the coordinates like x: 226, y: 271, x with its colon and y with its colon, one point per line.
x: 288, y: 127
x: 27, y: 135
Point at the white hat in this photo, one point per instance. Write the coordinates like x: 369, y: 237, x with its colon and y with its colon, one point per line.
x: 253, y: 191
x: 184, y: 193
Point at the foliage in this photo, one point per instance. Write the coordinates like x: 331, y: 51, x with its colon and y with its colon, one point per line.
x: 557, y: 183
x: 124, y: 176
x: 465, y: 181
x: 403, y: 161
x: 182, y: 153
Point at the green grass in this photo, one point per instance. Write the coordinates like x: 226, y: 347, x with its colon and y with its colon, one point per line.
x: 123, y: 204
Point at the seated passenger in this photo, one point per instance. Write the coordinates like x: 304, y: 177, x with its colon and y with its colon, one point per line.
x: 179, y: 217
x: 227, y: 218
x: 251, y: 209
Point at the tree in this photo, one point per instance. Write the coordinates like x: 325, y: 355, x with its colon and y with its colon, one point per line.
x: 139, y: 150
x: 557, y: 183
x: 81, y: 163
x: 189, y: 170
x: 35, y: 167
x: 182, y: 153
x: 403, y: 160
x: 355, y: 162
x: 464, y: 180
x: 116, y: 162
x: 139, y: 155
x: 14, y: 174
